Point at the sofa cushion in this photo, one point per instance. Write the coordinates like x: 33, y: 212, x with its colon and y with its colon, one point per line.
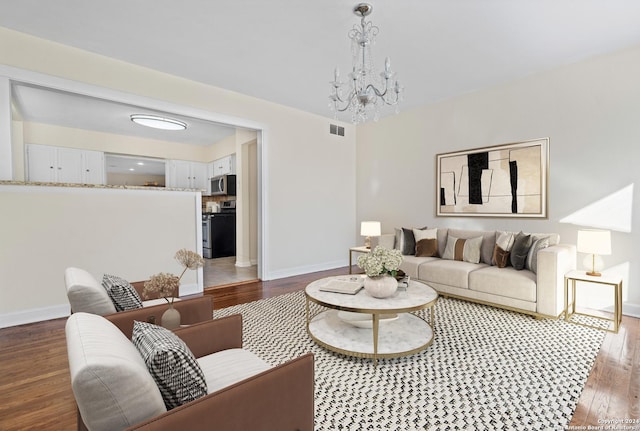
x: 520, y: 250
x: 425, y: 233
x: 410, y: 264
x: 488, y: 241
x: 505, y: 240
x: 405, y: 241
x: 442, y: 240
x: 427, y: 247
x: 507, y: 282
x: 448, y: 272
x: 532, y: 257
x: 110, y: 381
x: 500, y: 257
x: 227, y: 367
x: 122, y: 293
x: 85, y: 293
x: 467, y: 250
x: 171, y: 364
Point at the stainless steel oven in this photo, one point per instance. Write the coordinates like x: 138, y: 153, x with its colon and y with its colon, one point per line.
x: 219, y: 232
x: 206, y: 236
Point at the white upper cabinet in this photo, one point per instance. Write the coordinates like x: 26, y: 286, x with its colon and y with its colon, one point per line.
x: 182, y: 174
x: 224, y: 166
x: 93, y: 169
x: 64, y: 165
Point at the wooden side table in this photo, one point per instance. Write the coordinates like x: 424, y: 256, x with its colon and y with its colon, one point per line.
x: 358, y: 249
x: 613, y: 280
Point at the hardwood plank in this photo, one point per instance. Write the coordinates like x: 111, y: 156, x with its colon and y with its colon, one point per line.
x: 35, y: 388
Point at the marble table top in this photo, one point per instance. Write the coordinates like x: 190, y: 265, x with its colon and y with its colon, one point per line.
x: 415, y: 296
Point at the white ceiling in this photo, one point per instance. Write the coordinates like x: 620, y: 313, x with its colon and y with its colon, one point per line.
x: 78, y: 111
x: 285, y: 50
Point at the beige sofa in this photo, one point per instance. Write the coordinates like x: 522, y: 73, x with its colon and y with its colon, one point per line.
x: 539, y: 293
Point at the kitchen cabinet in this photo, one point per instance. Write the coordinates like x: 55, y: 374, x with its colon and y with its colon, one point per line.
x: 64, y: 165
x: 93, y: 169
x: 224, y: 166
x: 183, y: 174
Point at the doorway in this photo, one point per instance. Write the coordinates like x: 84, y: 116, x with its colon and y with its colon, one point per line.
x: 243, y: 267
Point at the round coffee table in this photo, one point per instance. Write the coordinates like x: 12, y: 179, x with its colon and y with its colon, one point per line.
x: 383, y: 328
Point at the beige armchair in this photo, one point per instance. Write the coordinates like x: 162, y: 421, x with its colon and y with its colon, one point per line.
x: 86, y: 294
x: 114, y: 390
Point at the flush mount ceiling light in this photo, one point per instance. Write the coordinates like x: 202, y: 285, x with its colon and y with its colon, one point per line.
x: 158, y: 122
x: 364, y: 91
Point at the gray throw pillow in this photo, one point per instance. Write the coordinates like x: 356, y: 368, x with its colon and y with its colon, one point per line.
x: 532, y: 257
x: 123, y: 295
x: 170, y: 363
x: 520, y: 250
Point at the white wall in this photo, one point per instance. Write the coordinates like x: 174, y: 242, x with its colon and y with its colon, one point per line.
x: 308, y: 180
x: 589, y: 110
x: 44, y: 230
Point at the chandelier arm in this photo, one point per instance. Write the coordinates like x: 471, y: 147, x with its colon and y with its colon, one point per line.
x: 347, y: 106
x: 375, y: 90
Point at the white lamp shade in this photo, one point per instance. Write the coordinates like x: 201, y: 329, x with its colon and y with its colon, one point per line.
x: 370, y: 228
x: 594, y: 241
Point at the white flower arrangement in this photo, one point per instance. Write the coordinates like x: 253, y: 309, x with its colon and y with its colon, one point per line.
x: 380, y: 261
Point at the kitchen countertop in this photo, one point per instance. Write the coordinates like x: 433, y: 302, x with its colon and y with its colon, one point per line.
x: 93, y: 186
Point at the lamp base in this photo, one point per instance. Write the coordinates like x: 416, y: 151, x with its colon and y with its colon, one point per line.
x: 594, y: 273
x: 367, y: 242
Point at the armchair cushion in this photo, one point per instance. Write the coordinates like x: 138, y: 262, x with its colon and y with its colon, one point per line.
x: 171, y: 364
x: 85, y: 294
x: 121, y: 292
x: 227, y: 367
x: 109, y: 379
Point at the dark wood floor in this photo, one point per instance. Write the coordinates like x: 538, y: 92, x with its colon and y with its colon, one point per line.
x: 35, y: 389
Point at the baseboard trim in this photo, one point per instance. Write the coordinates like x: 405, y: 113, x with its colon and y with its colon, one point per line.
x: 300, y: 270
x: 33, y: 315
x: 189, y: 289
x: 243, y: 263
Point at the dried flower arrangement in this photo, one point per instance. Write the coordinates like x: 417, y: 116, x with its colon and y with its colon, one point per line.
x: 167, y: 285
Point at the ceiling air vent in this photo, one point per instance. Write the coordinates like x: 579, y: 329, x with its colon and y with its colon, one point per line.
x: 336, y: 130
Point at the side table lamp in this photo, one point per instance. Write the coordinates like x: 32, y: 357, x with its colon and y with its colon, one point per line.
x: 369, y: 229
x: 594, y: 242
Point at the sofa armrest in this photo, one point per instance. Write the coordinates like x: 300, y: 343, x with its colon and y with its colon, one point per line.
x: 553, y: 263
x: 213, y: 336
x: 279, y: 399
x: 191, y: 311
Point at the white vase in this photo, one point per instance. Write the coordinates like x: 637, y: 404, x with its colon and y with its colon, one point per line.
x: 381, y: 286
x: 171, y: 318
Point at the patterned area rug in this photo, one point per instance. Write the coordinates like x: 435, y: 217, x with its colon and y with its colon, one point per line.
x: 487, y: 369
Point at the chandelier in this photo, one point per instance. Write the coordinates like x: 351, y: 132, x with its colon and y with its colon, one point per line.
x: 364, y: 91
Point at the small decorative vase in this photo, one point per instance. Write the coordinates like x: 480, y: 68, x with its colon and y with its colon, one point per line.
x: 171, y: 318
x: 381, y: 286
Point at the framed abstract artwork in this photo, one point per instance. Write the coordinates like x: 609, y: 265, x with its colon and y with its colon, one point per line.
x: 507, y: 180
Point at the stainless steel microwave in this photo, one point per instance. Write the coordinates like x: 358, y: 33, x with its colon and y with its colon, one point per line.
x: 224, y: 185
